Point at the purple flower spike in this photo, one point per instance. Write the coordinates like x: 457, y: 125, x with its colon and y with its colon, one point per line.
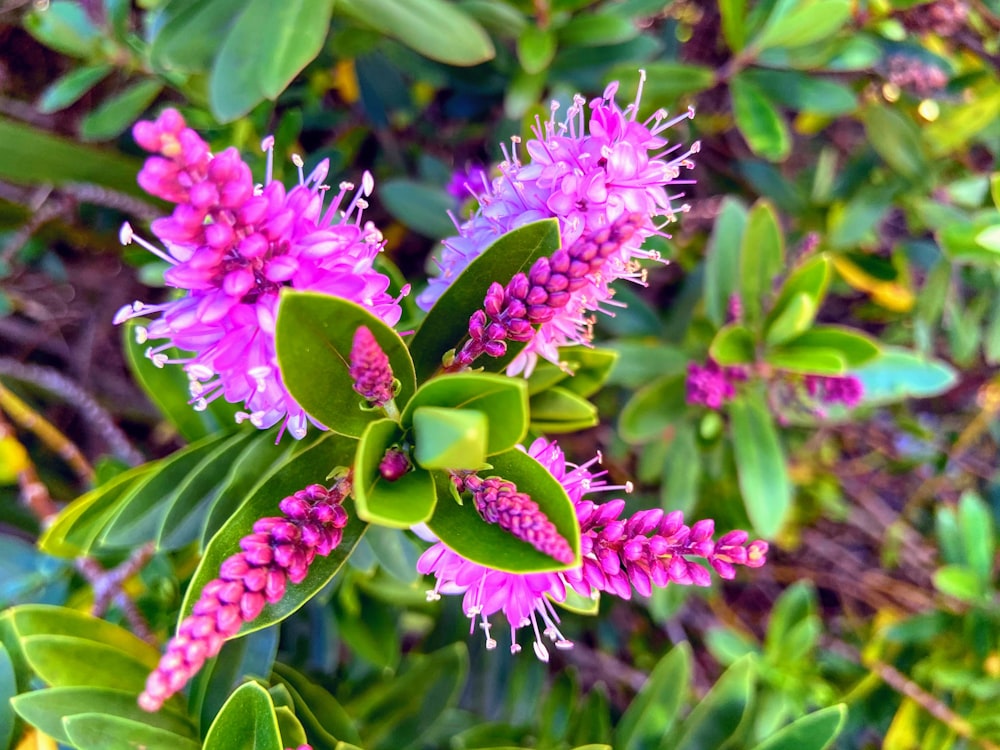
x: 499, y: 502
x: 587, y: 169
x: 370, y: 369
x: 650, y: 548
x: 279, y: 551
x: 394, y: 464
x: 712, y: 385
x: 233, y: 246
x: 834, y: 389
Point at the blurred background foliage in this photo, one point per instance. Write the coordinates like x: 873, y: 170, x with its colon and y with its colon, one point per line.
x: 847, y: 181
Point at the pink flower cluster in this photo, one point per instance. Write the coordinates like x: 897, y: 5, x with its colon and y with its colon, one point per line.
x: 835, y: 389
x: 498, y: 501
x: 233, y: 246
x: 538, y: 297
x: 278, y: 552
x: 587, y: 172
x: 712, y: 385
x: 650, y: 548
x: 370, y: 369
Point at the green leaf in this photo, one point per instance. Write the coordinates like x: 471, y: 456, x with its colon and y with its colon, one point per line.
x: 68, y: 89
x: 560, y: 410
x: 403, y: 503
x: 581, y: 369
x: 290, y: 728
x: 811, y: 279
x: 168, y: 388
x: 44, y: 619
x: 46, y: 710
x: 29, y: 156
x: 681, y: 470
x: 246, y: 722
x: 734, y: 29
x: 764, y: 128
x: 642, y: 361
x: 733, y: 345
x: 104, y: 732
x: 989, y: 238
x: 760, y: 466
x: 762, y: 258
x: 815, y: 731
x: 960, y: 123
x: 978, y: 542
x: 67, y: 661
x: 523, y: 92
x: 447, y: 438
x: 804, y: 92
x: 8, y: 691
x: 591, y: 717
x: 119, y: 112
x: 653, y: 409
x: 899, y: 374
x: 503, y: 400
x: 665, y: 83
x: 447, y: 323
x: 799, y: 24
x: 316, y: 707
x: 434, y: 28
x: 807, y: 360
x: 722, y: 259
x: 959, y: 240
x: 421, y: 207
x: 267, y: 46
x: 960, y: 582
x: 718, y: 715
x: 310, y: 466
x: 597, y: 30
x: 729, y: 646
x: 461, y: 528
x: 187, y: 36
x: 897, y: 139
x: 653, y: 712
x: 795, y: 605
x: 795, y: 318
x: 853, y: 346
x: 65, y: 27
x: 535, y: 49
x: 314, y: 335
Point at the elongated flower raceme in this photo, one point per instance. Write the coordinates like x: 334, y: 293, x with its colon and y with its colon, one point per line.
x: 370, y: 369
x: 278, y: 552
x: 649, y: 548
x: 588, y: 171
x: 232, y: 246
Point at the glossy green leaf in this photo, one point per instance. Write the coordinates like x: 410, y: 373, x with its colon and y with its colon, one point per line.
x: 399, y: 713
x: 310, y: 466
x: 733, y: 18
x: 804, y: 92
x: 795, y: 605
x: 263, y: 51
x: 728, y: 646
x: 168, y: 388
x: 760, y: 466
x: 290, y: 728
x: 715, y: 718
x: 118, y: 113
x: 434, y: 28
x: 762, y: 258
x: 794, y: 319
x: 978, y: 541
x: 799, y: 24
x: 67, y: 661
x: 722, y: 259
x: 419, y: 206
x: 653, y: 712
x: 815, y: 731
x: 30, y: 156
x: 960, y: 123
x: 535, y: 48
x: 246, y: 722
x: 43, y: 619
x: 314, y: 335
x: 806, y: 360
x: 733, y: 345
x: 581, y: 369
x: 897, y: 139
x: 560, y: 410
x: 46, y: 710
x: 958, y: 581
x: 68, y: 89
x: 403, y: 503
x: 899, y: 374
x: 447, y: 323
x: 811, y: 278
x: 8, y: 690
x: 597, y: 30
x: 503, y: 400
x: 65, y: 27
x: 763, y: 127
x: 316, y: 707
x: 653, y: 409
x: 447, y: 438
x: 103, y: 732
x: 139, y: 513
x: 185, y: 508
x: 187, y: 33
x: 461, y: 528
x: 853, y: 346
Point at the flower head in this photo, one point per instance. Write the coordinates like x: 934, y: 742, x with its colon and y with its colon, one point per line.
x: 279, y: 551
x: 835, y: 389
x: 619, y: 555
x: 370, y: 369
x: 232, y: 247
x: 712, y: 385
x: 587, y: 171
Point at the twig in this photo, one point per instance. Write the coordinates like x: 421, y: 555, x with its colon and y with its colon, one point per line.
x: 95, y: 415
x: 108, y: 588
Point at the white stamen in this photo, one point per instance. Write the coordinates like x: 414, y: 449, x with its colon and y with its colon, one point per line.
x: 125, y: 234
x: 200, y: 405
x: 141, y: 334
x: 201, y: 372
